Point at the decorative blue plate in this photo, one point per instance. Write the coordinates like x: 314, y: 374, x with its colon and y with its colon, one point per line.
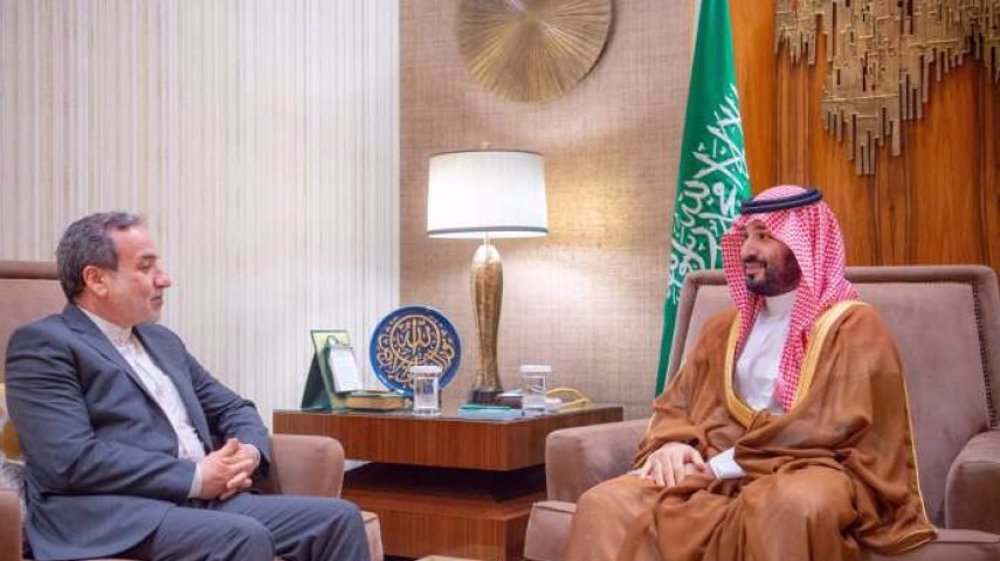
x: 410, y: 336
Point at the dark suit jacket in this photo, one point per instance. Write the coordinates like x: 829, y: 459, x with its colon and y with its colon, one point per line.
x: 102, y: 465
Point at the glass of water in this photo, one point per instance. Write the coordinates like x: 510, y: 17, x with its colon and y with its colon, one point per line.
x: 425, y: 381
x: 533, y: 382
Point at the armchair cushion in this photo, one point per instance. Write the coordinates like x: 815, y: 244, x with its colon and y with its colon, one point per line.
x: 967, y: 545
x: 10, y: 526
x: 578, y: 458
x: 548, y: 530
x: 314, y: 466
x: 305, y: 465
x: 973, y: 485
x: 373, y: 532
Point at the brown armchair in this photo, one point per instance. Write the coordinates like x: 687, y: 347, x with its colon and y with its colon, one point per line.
x: 301, y: 465
x: 946, y: 321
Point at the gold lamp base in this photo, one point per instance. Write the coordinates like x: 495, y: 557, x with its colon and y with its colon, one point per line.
x: 487, y: 292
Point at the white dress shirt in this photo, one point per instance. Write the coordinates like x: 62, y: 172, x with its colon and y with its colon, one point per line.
x: 757, y: 370
x: 163, y: 390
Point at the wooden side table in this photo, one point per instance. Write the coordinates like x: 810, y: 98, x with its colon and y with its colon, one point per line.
x: 445, y: 485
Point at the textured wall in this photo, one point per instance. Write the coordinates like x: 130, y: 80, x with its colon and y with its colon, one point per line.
x: 259, y: 138
x: 588, y: 298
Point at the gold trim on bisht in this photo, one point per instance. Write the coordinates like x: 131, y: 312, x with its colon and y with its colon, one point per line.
x: 738, y: 408
x: 818, y: 336
x: 918, y: 538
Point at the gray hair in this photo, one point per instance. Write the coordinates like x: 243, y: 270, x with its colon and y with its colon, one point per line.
x: 88, y: 242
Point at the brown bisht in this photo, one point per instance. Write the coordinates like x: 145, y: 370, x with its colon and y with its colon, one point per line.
x: 836, y: 473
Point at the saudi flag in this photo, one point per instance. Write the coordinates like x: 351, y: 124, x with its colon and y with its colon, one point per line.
x: 712, y: 178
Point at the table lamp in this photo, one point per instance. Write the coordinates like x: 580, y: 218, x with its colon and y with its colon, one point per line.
x: 486, y: 194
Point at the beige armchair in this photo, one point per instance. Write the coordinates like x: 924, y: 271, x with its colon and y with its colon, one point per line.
x: 301, y: 465
x: 947, y: 324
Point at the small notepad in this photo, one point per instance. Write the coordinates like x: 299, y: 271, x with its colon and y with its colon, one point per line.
x: 489, y: 412
x: 343, y: 367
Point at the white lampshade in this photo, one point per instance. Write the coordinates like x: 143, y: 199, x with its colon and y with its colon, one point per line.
x: 495, y: 192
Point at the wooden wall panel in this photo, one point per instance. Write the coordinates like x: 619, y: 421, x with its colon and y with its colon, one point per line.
x: 790, y: 123
x: 938, y: 202
x: 753, y: 48
x: 827, y: 168
x: 891, y: 210
x: 989, y: 135
x: 943, y: 175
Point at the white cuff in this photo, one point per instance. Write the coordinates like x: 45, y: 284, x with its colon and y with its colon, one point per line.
x: 195, y: 483
x: 255, y: 451
x: 724, y: 465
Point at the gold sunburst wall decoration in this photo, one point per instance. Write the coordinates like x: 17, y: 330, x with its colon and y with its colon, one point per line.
x: 531, y: 50
x: 883, y: 55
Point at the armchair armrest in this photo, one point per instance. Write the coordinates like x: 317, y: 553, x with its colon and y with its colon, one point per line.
x: 578, y: 458
x: 305, y: 465
x: 10, y: 526
x: 972, y: 491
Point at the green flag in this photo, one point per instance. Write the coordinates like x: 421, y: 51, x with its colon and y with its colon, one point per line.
x: 712, y: 177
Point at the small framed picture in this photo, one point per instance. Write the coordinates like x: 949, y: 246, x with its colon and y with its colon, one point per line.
x: 335, y: 358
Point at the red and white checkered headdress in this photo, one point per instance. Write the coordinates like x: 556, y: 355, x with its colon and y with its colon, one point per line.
x: 812, y: 233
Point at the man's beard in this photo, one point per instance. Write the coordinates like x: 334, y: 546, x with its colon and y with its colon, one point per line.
x: 778, y: 278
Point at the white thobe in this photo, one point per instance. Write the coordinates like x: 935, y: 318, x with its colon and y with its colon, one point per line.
x: 757, y: 370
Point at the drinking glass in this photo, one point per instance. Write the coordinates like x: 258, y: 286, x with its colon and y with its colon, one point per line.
x: 425, y: 380
x: 533, y: 380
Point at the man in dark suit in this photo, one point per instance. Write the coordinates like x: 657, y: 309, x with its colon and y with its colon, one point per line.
x: 132, y: 448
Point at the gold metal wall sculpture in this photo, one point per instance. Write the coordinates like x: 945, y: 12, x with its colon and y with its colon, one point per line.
x: 531, y: 50
x: 882, y: 56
